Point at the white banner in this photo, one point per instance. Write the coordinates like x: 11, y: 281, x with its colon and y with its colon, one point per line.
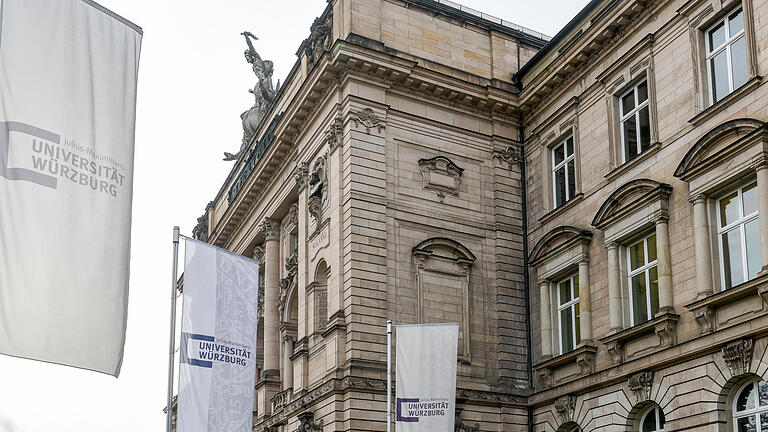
x: 426, y: 377
x: 218, y: 340
x: 68, y: 71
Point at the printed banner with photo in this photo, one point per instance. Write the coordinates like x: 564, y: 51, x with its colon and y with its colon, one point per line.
x: 426, y: 377
x: 217, y: 369
x: 67, y: 117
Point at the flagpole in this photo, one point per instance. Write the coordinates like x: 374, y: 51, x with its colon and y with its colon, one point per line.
x: 389, y: 375
x: 172, y: 345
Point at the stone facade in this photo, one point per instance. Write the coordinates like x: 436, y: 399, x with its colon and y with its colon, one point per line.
x: 408, y: 170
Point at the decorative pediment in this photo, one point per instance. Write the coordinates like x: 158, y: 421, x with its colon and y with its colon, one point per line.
x: 630, y: 197
x: 445, y: 248
x: 441, y: 175
x: 721, y: 142
x: 558, y: 240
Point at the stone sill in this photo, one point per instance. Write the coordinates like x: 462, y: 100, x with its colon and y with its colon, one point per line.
x: 725, y: 102
x: 626, y: 166
x: 560, y: 210
x: 569, y: 357
x: 583, y: 355
x: 704, y: 309
x: 663, y: 325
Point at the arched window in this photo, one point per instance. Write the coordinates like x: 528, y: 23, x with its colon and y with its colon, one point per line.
x: 750, y: 407
x: 653, y: 420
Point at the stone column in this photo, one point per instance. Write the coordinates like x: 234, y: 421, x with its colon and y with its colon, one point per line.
x: 664, y: 265
x: 762, y: 202
x: 271, y: 229
x: 585, y: 302
x: 614, y: 287
x: 288, y: 342
x: 703, y: 252
x: 546, y: 320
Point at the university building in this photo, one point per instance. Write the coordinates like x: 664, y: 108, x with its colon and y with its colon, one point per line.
x: 587, y: 207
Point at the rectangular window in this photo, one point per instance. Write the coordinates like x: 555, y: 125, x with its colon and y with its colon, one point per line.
x: 568, y: 313
x: 738, y: 233
x: 643, y: 280
x: 635, y: 121
x: 726, y: 55
x: 563, y: 172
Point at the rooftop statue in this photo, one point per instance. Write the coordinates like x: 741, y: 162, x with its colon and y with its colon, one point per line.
x: 263, y: 92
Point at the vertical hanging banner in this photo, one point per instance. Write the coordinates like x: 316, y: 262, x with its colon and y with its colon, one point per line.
x: 68, y: 75
x: 426, y: 377
x: 217, y: 369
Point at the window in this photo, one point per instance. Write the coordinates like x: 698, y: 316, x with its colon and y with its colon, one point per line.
x: 653, y: 421
x: 643, y: 279
x: 563, y: 171
x: 568, y: 313
x: 635, y: 121
x: 750, y: 410
x: 738, y: 233
x: 726, y: 55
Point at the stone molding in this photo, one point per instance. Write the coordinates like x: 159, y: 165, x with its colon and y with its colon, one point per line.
x: 628, y: 198
x: 583, y: 356
x: 663, y: 326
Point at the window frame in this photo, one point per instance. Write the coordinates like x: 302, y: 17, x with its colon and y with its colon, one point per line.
x: 738, y: 224
x: 754, y: 412
x: 556, y: 166
x: 575, y: 300
x: 645, y: 269
x: 634, y: 112
x: 658, y: 413
x: 730, y: 40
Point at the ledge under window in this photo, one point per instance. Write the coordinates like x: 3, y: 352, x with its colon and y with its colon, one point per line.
x: 725, y: 102
x: 662, y: 325
x: 583, y: 355
x: 704, y: 309
x: 626, y: 166
x: 560, y: 210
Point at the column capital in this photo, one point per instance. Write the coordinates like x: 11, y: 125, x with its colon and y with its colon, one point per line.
x: 258, y: 254
x: 611, y: 245
x: 660, y: 217
x: 543, y: 282
x: 271, y: 229
x: 761, y: 165
x: 698, y: 199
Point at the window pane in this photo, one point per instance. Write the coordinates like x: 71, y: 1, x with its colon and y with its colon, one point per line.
x: 566, y: 329
x: 736, y: 22
x: 569, y: 146
x: 559, y: 187
x: 636, y: 256
x: 571, y: 179
x: 628, y: 102
x: 739, y: 62
x: 762, y: 388
x: 649, y: 422
x: 716, y: 37
x: 746, y: 424
x: 645, y: 129
x: 639, y: 300
x: 653, y: 276
x: 576, y: 286
x: 754, y: 256
x: 559, y: 154
x: 749, y: 196
x: 662, y: 420
x: 652, y: 248
x: 746, y: 399
x: 729, y: 209
x: 578, y: 322
x: 733, y: 265
x: 763, y: 422
x: 719, y: 78
x: 565, y: 291
x: 629, y: 127
x: 642, y: 92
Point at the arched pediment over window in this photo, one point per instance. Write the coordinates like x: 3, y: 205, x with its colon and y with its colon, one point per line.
x: 558, y: 240
x: 629, y: 198
x: 722, y: 142
x: 444, y: 248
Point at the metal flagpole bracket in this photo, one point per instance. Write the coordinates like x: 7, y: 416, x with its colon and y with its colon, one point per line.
x: 172, y: 344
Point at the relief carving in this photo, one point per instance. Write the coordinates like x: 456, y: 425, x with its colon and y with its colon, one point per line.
x: 565, y: 407
x: 640, y: 385
x: 369, y: 119
x: 738, y: 356
x: 441, y: 175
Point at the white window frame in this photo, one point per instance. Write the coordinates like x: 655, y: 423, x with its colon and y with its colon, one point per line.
x: 645, y: 268
x: 739, y: 224
x: 570, y: 304
x: 754, y: 412
x: 636, y: 113
x: 711, y: 52
x: 555, y: 167
x: 656, y: 411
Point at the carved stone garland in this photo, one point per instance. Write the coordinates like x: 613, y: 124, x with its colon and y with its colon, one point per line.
x: 369, y: 119
x: 334, y: 134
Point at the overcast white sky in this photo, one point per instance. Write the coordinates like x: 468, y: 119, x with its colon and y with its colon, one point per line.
x: 193, y: 85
